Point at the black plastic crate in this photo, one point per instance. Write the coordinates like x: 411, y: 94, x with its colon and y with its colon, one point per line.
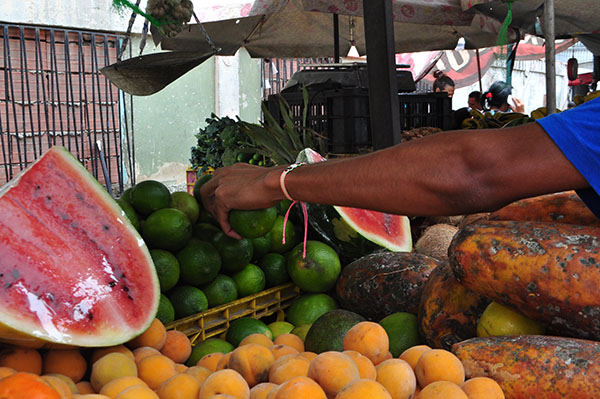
x: 342, y: 115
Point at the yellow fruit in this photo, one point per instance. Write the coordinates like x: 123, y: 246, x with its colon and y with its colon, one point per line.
x: 498, y: 319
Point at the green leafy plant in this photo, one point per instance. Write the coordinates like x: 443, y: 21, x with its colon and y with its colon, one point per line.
x: 281, y: 142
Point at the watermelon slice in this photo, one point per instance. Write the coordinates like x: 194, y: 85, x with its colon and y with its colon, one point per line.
x: 73, y: 270
x: 355, y: 232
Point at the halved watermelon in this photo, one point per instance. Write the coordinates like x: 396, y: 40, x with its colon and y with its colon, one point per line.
x: 355, y: 232
x: 73, y: 270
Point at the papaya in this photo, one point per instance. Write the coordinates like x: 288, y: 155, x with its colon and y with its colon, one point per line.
x: 448, y: 311
x: 384, y: 282
x: 562, y: 207
x: 550, y: 272
x: 534, y: 366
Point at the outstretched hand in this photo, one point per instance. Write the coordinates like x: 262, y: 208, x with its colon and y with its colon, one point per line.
x: 240, y: 186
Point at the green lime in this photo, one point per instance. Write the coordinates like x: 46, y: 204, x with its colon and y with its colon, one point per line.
x: 199, y: 262
x: 309, y: 307
x: 130, y: 213
x: 280, y: 327
x: 274, y: 267
x: 126, y: 195
x: 220, y: 291
x: 149, y: 196
x: 168, y: 229
x: 241, y: 328
x: 498, y: 319
x: 205, y: 231
x: 166, y: 311
x: 167, y: 268
x: 249, y: 280
x: 206, y: 347
x: 277, y: 244
x: 318, y: 271
x: 301, y: 331
x: 235, y: 254
x: 403, y: 331
x: 187, y: 300
x: 253, y: 223
x: 261, y: 246
x: 187, y: 204
x: 198, y: 184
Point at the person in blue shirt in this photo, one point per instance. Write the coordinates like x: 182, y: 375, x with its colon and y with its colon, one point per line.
x: 450, y: 173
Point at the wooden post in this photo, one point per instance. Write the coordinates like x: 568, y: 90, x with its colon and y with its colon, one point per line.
x: 384, y: 108
x: 549, y: 34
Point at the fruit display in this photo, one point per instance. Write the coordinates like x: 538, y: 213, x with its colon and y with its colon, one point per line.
x: 545, y: 270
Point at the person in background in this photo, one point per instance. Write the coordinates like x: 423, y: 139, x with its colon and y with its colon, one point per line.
x: 443, y: 83
x: 455, y: 173
x: 474, y: 101
x: 499, y: 98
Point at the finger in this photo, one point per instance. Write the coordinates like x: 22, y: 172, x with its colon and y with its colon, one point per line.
x: 223, y: 219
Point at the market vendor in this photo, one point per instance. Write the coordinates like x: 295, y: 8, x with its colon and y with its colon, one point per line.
x: 451, y: 173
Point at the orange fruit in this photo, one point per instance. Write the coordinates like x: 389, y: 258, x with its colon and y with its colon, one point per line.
x: 59, y: 385
x: 25, y: 385
x: 369, y: 339
x: 177, y: 346
x: 137, y: 392
x: 253, y: 362
x: 99, y: 352
x: 210, y: 361
x: 180, y: 386
x: 200, y: 373
x: 84, y: 387
x: 257, y: 338
x: 225, y: 381
x: 155, y: 369
x: 282, y: 350
x: 412, y: 354
x: 114, y: 387
x: 299, y: 388
x: 366, y: 369
x: 333, y: 371
x: 260, y: 391
x: 287, y: 367
x: 290, y: 339
x: 439, y: 365
x: 69, y: 362
x: 397, y: 377
x: 442, y: 390
x: 154, y: 336
x: 364, y: 388
x: 144, y: 351
x: 482, y: 388
x: 22, y: 359
x: 110, y: 367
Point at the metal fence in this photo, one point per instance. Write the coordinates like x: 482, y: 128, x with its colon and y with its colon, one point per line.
x: 52, y: 93
x: 277, y: 71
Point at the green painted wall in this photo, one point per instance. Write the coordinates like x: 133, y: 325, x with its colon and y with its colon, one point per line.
x: 165, y: 123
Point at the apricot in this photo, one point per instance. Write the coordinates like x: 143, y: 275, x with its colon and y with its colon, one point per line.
x: 397, y: 377
x: 287, y: 367
x: 253, y: 362
x: 439, y: 365
x: 333, y: 371
x: 369, y: 339
x: 364, y: 388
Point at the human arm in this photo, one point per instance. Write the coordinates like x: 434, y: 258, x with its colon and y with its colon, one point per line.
x: 447, y: 173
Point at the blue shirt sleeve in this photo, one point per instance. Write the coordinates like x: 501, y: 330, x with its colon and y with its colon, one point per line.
x: 577, y: 133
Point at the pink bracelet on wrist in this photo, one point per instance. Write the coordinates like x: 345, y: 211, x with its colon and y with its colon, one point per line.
x: 282, y: 178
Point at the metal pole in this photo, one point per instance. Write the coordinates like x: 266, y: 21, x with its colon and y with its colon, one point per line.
x: 549, y: 34
x: 336, y: 38
x: 384, y: 107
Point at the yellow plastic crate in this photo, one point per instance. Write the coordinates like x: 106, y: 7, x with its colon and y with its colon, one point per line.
x: 190, y: 177
x: 215, y: 321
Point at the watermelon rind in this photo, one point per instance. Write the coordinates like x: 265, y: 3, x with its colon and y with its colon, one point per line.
x: 75, y: 271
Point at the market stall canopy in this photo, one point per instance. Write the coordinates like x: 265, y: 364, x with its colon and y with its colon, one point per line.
x: 571, y: 17
x: 305, y: 28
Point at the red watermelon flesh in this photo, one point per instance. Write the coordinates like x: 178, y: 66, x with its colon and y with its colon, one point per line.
x: 387, y: 230
x: 73, y: 270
